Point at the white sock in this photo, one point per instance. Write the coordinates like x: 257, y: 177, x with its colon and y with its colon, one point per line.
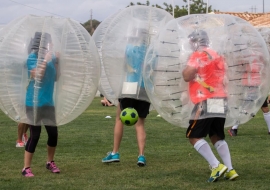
x: 224, y: 153
x: 267, y: 119
x: 112, y: 153
x: 235, y: 127
x: 204, y: 149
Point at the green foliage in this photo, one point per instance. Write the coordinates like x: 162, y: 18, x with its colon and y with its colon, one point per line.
x: 172, y: 163
x: 196, y: 7
x: 87, y: 26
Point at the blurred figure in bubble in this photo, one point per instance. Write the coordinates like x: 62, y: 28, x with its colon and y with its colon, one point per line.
x: 132, y: 93
x: 206, y: 74
x: 42, y: 65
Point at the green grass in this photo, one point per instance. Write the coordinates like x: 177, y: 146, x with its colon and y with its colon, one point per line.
x: 172, y: 163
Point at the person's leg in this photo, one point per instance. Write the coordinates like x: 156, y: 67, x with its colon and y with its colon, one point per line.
x: 19, y: 142
x: 204, y: 149
x: 233, y: 131
x: 118, y: 131
x: 52, y: 132
x: 266, y: 114
x: 25, y: 136
x: 197, y: 130
x: 217, y: 137
x: 117, y: 138
x: 141, y: 135
x: 30, y: 148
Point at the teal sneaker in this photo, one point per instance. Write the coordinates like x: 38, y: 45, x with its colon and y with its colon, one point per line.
x: 111, y: 158
x: 141, y: 161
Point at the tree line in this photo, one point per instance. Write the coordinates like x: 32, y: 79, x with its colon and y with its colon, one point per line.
x: 196, y: 7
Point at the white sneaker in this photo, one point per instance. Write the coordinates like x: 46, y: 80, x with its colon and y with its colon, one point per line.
x: 19, y: 144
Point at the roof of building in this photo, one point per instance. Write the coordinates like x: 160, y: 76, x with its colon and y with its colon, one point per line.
x: 256, y: 19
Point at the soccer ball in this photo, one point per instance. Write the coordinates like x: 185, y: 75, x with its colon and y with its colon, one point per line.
x: 129, y: 116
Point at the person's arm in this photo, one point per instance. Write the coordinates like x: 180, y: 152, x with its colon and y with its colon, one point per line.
x: 40, y: 69
x: 189, y: 73
x: 56, y: 64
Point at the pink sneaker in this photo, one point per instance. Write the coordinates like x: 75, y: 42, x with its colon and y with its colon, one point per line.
x: 26, y: 172
x: 51, y: 166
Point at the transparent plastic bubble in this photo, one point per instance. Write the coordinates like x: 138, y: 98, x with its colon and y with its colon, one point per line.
x: 104, y: 87
x: 223, y: 57
x: 49, y: 69
x: 124, y: 45
x: 265, y: 32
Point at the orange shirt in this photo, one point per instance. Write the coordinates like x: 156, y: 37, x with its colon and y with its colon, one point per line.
x: 208, y: 82
x: 252, y: 77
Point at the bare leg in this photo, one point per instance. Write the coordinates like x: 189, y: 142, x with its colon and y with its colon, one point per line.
x: 141, y: 135
x: 118, y: 130
x: 27, y: 159
x: 25, y: 128
x: 20, y: 131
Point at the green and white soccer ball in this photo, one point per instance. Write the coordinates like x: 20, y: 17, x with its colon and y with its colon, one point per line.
x: 129, y: 116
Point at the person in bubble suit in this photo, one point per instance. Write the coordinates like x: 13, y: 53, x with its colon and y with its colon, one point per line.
x: 42, y: 65
x: 252, y: 79
x: 206, y: 74
x: 135, y: 54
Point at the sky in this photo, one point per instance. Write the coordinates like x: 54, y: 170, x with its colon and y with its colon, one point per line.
x: 81, y: 10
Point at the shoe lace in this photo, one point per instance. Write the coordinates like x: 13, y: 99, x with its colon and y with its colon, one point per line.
x: 210, y: 167
x: 28, y: 170
x: 53, y: 165
x: 108, y: 153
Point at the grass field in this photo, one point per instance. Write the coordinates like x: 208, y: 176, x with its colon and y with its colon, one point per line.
x: 172, y: 163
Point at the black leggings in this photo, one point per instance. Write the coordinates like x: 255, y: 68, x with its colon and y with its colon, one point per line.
x: 35, y: 131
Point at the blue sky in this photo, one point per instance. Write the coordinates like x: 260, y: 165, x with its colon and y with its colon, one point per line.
x: 80, y: 9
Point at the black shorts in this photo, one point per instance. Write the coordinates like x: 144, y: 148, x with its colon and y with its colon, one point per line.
x: 204, y: 123
x: 208, y: 126
x: 44, y: 115
x: 265, y: 104
x: 142, y: 107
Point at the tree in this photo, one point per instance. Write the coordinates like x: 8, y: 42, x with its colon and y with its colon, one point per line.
x: 87, y: 26
x: 196, y: 7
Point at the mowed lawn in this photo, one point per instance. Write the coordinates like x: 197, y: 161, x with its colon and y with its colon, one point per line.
x: 172, y: 163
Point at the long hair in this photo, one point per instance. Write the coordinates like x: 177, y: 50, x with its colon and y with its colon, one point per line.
x: 40, y: 42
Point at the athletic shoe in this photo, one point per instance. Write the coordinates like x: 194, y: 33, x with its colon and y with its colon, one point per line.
x: 24, y: 138
x: 111, y: 158
x: 231, y: 175
x: 19, y: 144
x: 51, y: 166
x: 26, y: 172
x: 141, y: 161
x: 217, y: 172
x: 232, y: 132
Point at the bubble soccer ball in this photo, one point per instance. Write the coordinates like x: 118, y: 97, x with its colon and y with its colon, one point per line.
x: 244, y: 56
x: 129, y: 116
x: 49, y: 70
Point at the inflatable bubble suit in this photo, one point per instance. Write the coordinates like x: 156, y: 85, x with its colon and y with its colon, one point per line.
x: 49, y: 70
x: 265, y: 32
x: 124, y: 44
x: 98, y: 35
x: 228, y: 48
